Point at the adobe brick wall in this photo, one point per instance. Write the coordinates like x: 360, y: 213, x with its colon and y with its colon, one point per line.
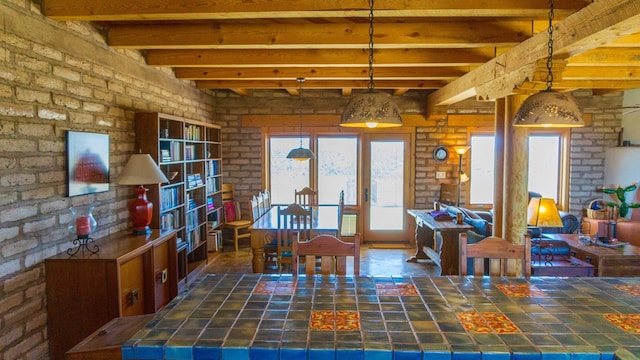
x: 57, y: 76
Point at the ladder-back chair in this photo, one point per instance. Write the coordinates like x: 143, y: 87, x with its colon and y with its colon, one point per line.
x: 340, y: 213
x: 233, y: 217
x: 332, y: 252
x: 306, y: 197
x: 294, y: 223
x: 498, y: 251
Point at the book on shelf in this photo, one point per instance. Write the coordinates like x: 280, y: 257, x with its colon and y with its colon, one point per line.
x: 198, y: 179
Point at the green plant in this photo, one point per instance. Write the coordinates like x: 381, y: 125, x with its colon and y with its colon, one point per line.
x: 623, y: 207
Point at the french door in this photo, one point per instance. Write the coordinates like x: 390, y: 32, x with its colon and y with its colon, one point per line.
x: 385, y: 187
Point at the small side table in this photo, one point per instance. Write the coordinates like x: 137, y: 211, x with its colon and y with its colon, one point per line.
x: 563, y: 267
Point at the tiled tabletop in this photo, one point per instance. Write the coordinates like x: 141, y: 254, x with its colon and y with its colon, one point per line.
x: 267, y: 317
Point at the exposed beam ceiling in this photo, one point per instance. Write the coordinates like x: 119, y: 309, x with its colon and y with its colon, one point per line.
x: 454, y: 49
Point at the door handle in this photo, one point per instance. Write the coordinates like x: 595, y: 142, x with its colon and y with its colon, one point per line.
x: 366, y: 194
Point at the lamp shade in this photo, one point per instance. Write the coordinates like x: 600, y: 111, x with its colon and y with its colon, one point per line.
x: 543, y: 212
x: 371, y: 109
x: 301, y: 154
x: 141, y: 170
x: 549, y: 109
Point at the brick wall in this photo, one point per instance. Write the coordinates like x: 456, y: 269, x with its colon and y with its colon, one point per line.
x: 54, y: 77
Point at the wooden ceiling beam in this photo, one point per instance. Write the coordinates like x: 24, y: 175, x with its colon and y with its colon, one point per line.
x: 608, y: 56
x: 319, y: 84
x: 442, y: 34
x: 322, y: 73
x: 314, y: 57
x: 116, y: 10
x: 582, y: 31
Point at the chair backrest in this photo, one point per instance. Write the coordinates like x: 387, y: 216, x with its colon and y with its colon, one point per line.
x: 266, y: 197
x: 261, y: 208
x: 340, y: 212
x: 306, y: 197
x: 332, y: 251
x: 294, y: 223
x: 230, y: 206
x: 448, y: 194
x: 498, y: 251
x: 227, y: 192
x: 255, y: 212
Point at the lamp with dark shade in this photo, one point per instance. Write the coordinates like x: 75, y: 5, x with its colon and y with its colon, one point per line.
x: 141, y: 170
x: 542, y: 212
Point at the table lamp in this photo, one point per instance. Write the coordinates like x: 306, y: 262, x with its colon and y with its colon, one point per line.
x: 542, y: 212
x: 141, y: 170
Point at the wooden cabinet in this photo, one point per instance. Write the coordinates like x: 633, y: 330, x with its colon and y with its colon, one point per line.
x: 190, y: 154
x: 130, y: 275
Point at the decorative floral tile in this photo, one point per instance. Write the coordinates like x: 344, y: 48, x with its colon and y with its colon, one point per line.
x: 275, y: 288
x: 521, y: 290
x: 487, y: 322
x: 335, y: 320
x: 627, y: 322
x: 633, y: 290
x: 396, y: 289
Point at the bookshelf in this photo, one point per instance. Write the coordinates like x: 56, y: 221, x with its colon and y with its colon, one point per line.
x: 189, y: 153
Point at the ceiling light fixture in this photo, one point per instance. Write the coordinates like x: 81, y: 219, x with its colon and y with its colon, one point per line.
x: 549, y: 108
x: 301, y: 154
x: 371, y: 109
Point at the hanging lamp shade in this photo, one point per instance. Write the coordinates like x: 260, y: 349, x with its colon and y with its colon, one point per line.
x: 301, y: 153
x: 371, y: 109
x: 549, y: 109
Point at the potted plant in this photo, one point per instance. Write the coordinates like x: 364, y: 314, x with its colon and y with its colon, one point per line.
x: 620, y: 192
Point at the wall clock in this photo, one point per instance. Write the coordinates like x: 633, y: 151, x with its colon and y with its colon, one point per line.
x: 440, y: 153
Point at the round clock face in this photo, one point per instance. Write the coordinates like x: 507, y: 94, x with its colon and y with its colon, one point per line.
x: 440, y: 153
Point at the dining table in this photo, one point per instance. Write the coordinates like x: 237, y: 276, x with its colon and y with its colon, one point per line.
x: 324, y: 220
x: 271, y: 316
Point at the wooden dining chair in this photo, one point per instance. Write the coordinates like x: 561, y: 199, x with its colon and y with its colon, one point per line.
x: 266, y: 199
x: 233, y: 217
x: 306, y: 197
x: 294, y: 223
x: 498, y: 251
x: 332, y: 252
x: 255, y: 211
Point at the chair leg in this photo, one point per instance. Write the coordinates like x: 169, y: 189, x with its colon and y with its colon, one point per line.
x: 235, y: 238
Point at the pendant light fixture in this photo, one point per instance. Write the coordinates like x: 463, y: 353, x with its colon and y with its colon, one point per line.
x: 301, y: 154
x: 371, y: 109
x: 549, y: 108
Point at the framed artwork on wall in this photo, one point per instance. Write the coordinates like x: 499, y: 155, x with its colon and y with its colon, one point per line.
x: 87, y: 163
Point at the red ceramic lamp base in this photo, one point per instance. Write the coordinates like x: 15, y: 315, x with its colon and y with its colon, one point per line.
x: 141, y: 212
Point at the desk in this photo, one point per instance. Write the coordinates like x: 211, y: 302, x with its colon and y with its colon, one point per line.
x: 622, y: 261
x: 255, y: 316
x: 324, y: 221
x: 444, y: 254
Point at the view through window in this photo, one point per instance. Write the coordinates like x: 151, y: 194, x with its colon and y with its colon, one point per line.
x: 286, y: 175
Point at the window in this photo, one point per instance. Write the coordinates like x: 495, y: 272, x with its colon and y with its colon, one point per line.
x: 545, y: 166
x: 337, y: 159
x: 286, y: 174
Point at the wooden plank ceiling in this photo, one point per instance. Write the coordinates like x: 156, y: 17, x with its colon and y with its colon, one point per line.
x: 452, y: 49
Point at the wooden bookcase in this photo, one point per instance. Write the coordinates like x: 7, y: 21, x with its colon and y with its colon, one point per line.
x: 189, y: 153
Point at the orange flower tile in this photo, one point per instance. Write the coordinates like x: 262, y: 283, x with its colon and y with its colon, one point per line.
x: 627, y: 322
x: 335, y: 320
x: 396, y: 289
x: 487, y: 322
x: 521, y: 290
x: 275, y: 288
x: 633, y: 290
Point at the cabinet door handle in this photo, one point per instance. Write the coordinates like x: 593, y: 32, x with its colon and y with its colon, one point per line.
x: 366, y: 194
x: 573, y: 253
x: 588, y: 259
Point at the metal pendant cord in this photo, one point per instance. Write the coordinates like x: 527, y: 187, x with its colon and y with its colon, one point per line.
x: 550, y: 47
x: 371, y: 85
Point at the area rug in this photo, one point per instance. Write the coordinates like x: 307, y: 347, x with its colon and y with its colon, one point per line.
x: 384, y: 245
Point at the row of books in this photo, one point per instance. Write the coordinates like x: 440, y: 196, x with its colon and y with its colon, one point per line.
x: 193, y: 132
x: 169, y: 221
x: 192, y: 220
x: 170, y: 151
x: 194, y: 180
x: 213, y: 167
x: 213, y: 185
x: 190, y: 152
x: 192, y: 239
x: 170, y: 198
x: 191, y: 203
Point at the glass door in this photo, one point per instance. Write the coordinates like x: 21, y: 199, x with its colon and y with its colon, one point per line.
x: 385, y: 188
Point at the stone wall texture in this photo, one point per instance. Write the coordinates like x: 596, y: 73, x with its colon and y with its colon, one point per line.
x: 59, y: 76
